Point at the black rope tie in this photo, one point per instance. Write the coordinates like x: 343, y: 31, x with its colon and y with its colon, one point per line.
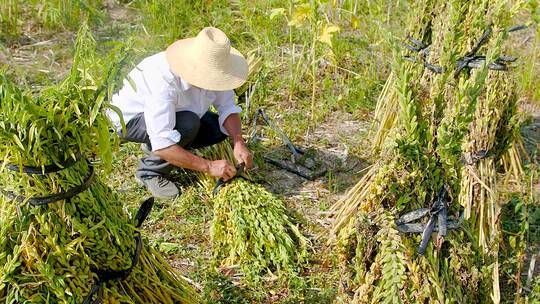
x: 471, y: 158
x: 96, y: 293
x: 470, y: 61
x: 95, y: 296
x: 437, y: 222
x: 59, y: 196
x: 46, y: 169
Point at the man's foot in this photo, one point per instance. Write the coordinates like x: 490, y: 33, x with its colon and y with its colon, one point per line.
x: 159, y: 186
x: 145, y: 148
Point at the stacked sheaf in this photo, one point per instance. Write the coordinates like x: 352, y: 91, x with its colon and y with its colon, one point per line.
x: 64, y: 251
x: 450, y: 131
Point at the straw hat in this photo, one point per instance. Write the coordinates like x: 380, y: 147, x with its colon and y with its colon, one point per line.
x: 208, y: 61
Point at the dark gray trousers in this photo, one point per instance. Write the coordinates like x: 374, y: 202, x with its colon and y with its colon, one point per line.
x: 194, y: 132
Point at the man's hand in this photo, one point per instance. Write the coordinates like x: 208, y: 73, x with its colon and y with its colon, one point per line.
x: 242, y: 154
x: 221, y: 168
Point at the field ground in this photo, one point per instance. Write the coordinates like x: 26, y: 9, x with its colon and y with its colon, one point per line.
x: 320, y: 89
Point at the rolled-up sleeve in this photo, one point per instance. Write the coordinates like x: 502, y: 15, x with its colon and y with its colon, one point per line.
x: 160, y: 118
x: 225, y: 106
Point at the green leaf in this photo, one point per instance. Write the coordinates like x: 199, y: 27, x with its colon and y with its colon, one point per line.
x: 18, y: 142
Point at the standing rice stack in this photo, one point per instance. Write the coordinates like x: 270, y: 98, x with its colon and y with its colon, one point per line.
x: 385, y: 112
x: 490, y: 134
x: 446, y: 118
x: 62, y: 251
x: 252, y: 229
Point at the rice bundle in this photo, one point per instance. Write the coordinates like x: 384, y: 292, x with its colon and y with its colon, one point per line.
x: 83, y: 247
x: 452, y: 129
x: 253, y: 229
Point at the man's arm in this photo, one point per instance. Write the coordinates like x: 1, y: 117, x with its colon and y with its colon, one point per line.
x: 233, y: 126
x: 182, y: 158
x: 230, y: 124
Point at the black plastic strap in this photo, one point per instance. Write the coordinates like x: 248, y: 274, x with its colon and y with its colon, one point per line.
x: 412, y: 216
x: 419, y: 227
x: 470, y: 60
x: 95, y: 295
x: 435, y: 69
x: 45, y: 200
x: 95, y: 292
x: 144, y: 211
x: 437, y: 222
x: 483, y: 40
x: 108, y: 275
x: 416, y: 46
x: 421, y: 48
x: 426, y: 235
x: 464, y: 62
x: 472, y: 158
x: 46, y: 169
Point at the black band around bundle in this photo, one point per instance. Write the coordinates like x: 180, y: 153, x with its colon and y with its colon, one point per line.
x: 471, y: 158
x: 469, y: 61
x: 437, y: 221
x: 46, y: 169
x: 95, y: 296
x: 63, y: 195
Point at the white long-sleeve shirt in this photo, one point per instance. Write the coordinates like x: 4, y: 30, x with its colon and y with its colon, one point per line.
x: 159, y: 94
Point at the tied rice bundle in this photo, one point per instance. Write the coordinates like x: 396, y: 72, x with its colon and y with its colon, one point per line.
x: 453, y: 127
x: 64, y: 235
x: 251, y: 228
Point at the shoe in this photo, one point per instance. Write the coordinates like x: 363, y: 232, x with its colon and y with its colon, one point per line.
x: 145, y: 148
x: 159, y: 186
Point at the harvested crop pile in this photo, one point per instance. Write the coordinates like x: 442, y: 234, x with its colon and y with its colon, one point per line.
x: 445, y: 150
x: 64, y: 235
x: 251, y: 228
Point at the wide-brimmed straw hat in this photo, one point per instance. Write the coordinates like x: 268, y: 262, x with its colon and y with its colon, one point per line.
x: 208, y: 61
